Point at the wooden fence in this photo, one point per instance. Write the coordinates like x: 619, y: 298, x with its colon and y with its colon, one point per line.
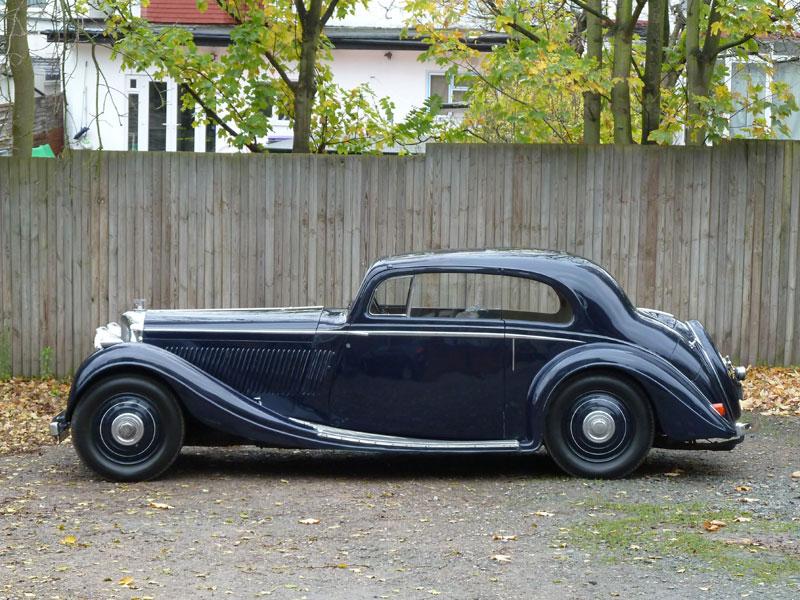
x: 708, y: 233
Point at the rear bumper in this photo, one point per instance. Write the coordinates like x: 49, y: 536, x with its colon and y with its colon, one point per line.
x: 59, y: 427
x: 715, y: 444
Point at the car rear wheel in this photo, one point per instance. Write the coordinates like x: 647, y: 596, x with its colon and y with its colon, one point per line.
x: 128, y: 428
x: 599, y: 426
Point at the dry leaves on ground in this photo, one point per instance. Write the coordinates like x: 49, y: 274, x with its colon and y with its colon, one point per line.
x: 772, y: 391
x: 26, y: 408
x: 27, y: 405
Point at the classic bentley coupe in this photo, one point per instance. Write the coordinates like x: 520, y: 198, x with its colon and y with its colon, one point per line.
x: 456, y: 352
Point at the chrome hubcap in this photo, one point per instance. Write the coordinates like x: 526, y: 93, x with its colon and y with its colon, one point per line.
x: 127, y: 429
x: 598, y: 426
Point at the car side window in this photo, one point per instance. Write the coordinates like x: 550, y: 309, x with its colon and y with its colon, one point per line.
x: 485, y: 296
x: 391, y: 296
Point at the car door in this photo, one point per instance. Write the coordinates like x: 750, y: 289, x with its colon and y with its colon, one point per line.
x: 419, y: 363
x: 538, y: 321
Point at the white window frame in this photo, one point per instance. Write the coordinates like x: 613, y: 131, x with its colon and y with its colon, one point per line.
x: 451, y: 86
x: 733, y: 62
x: 142, y: 90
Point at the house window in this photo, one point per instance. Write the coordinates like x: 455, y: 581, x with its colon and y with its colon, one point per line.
x: 185, y: 129
x: 211, y: 137
x: 451, y: 89
x: 157, y: 116
x: 745, y: 78
x: 789, y: 73
x: 133, y: 121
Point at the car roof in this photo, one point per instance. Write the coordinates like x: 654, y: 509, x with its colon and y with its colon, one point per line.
x: 526, y: 259
x: 587, y: 281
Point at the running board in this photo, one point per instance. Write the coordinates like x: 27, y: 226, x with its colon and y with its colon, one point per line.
x: 392, y: 441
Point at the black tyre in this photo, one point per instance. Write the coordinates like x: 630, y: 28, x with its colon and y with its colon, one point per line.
x: 128, y: 428
x: 599, y: 426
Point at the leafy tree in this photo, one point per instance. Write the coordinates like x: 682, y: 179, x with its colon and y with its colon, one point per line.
x: 716, y: 27
x: 527, y: 90
x: 556, y: 59
x: 278, y: 59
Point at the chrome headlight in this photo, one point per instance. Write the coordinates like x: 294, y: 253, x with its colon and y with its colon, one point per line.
x: 107, y: 335
x: 133, y: 325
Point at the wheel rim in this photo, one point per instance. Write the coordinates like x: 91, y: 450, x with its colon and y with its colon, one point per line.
x: 127, y: 429
x: 599, y: 427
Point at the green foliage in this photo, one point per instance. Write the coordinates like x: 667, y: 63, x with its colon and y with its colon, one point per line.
x: 46, y: 362
x: 239, y: 87
x: 530, y: 90
x: 5, y: 354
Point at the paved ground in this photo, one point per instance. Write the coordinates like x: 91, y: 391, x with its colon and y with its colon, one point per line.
x: 229, y: 524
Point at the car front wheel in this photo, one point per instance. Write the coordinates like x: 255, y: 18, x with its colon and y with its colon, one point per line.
x: 128, y: 428
x: 599, y: 426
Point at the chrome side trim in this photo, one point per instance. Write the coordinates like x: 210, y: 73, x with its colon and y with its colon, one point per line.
x: 190, y: 329
x: 392, y: 441
x: 376, y: 332
x: 549, y: 338
x: 253, y: 309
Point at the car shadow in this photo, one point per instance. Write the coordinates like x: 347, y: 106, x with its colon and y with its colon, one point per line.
x: 333, y: 464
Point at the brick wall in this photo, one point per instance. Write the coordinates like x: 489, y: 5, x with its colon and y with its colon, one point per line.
x: 48, y: 125
x: 184, y: 12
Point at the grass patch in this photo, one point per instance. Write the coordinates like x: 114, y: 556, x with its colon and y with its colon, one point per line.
x: 755, y: 549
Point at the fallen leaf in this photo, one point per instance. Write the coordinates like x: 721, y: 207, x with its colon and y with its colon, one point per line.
x: 743, y: 488
x: 159, y: 505
x: 544, y: 513
x: 742, y: 520
x: 501, y: 557
x: 504, y: 538
x: 309, y: 521
x: 69, y: 540
x: 713, y: 525
x: 126, y: 581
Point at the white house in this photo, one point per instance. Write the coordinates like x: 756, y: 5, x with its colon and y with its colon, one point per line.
x: 114, y: 109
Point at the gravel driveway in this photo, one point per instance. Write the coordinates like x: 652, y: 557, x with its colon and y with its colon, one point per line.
x: 249, y: 523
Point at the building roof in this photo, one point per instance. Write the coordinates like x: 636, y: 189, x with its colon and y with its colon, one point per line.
x: 342, y: 37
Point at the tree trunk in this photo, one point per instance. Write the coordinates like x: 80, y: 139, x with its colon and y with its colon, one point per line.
x: 306, y: 88
x: 594, y: 50
x: 620, y: 72
x: 699, y: 68
x: 654, y: 57
x: 22, y: 74
x: 700, y: 63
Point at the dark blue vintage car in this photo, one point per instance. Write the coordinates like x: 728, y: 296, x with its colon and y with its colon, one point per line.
x: 457, y: 352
